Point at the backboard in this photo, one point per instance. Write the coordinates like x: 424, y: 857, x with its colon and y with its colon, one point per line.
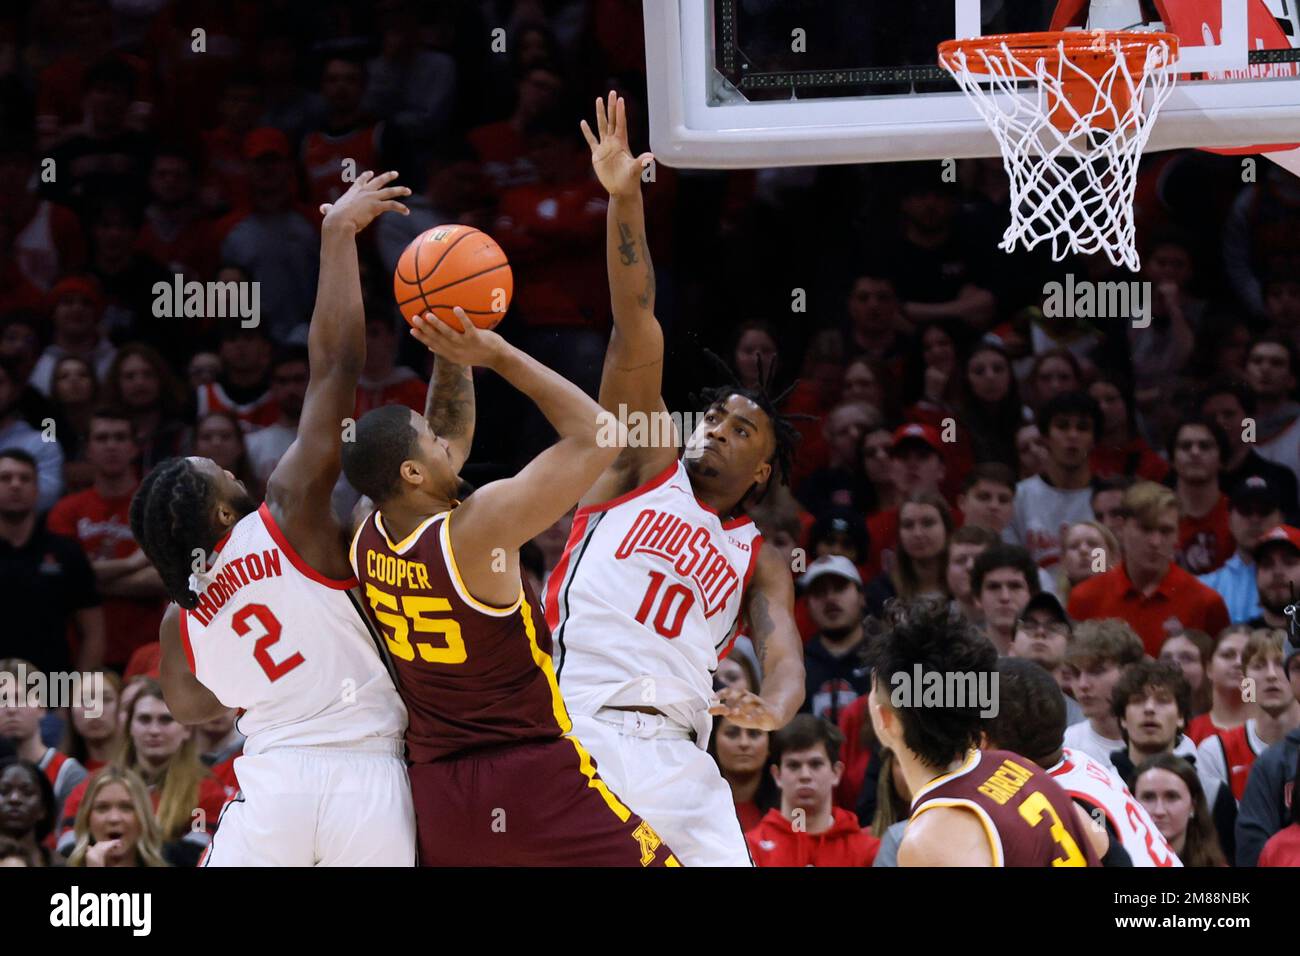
x: 751, y: 83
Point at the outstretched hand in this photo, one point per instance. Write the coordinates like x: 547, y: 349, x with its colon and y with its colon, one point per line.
x: 472, y: 346
x: 746, y: 709
x: 611, y: 156
x: 369, y: 197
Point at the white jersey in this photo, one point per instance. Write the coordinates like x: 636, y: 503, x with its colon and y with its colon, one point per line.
x: 287, y: 645
x: 647, y: 598
x: 1086, y: 780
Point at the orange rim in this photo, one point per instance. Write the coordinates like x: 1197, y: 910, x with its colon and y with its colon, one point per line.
x: 1090, y: 50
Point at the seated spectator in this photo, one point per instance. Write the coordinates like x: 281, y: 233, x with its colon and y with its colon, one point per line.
x: 1150, y: 701
x: 834, y: 672
x: 1228, y: 706
x: 346, y: 134
x: 1043, y: 633
x: 1167, y: 787
x: 988, y: 495
x: 1192, y: 651
x: 877, y: 328
x: 203, y: 369
x: 29, y: 809
x: 502, y: 147
x: 1266, y: 806
x: 839, y: 484
x: 1099, y: 653
x: 74, y: 394
x: 141, y: 384
x: 20, y: 342
x: 918, y: 467
x: 1120, y: 450
x: 1062, y: 494
x: 1277, y: 574
x: 128, y: 279
x: 1055, y: 371
x: 989, y: 402
x: 98, y: 518
x: 875, y: 459
x: 227, y: 174
x: 267, y: 446
x: 1197, y: 448
x: 115, y: 825
x: 1108, y: 506
x: 840, y: 530
x: 104, y: 156
x: 1252, y: 511
x: 1283, y: 847
x: 92, y: 735
x: 741, y: 755
x: 932, y: 379
x: 968, y: 543
x: 1271, y: 376
x: 20, y: 724
x: 1225, y: 758
x: 47, y: 587
x: 807, y: 829
x: 78, y: 307
x: 47, y: 238
x: 1087, y: 548
x: 1147, y: 589
x: 274, y: 239
x: 16, y: 435
x: 163, y: 752
x: 218, y: 436
x: 243, y: 387
x: 383, y: 381
x: 1231, y: 405
x: 861, y: 382
x: 1003, y: 579
x: 921, y: 565
x: 1031, y: 452
x: 176, y: 232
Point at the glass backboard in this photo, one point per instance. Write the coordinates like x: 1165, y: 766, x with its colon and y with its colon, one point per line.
x: 744, y: 83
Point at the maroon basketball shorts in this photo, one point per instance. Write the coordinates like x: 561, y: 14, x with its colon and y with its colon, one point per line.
x: 533, y: 803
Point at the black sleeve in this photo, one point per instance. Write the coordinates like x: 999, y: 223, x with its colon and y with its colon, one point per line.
x: 1224, y: 813
x: 1116, y: 855
x: 78, y: 577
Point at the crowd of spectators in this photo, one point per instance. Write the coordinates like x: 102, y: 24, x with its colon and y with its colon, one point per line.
x: 1113, y: 500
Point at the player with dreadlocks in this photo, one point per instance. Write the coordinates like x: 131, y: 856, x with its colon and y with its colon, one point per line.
x: 263, y: 619
x: 663, y: 563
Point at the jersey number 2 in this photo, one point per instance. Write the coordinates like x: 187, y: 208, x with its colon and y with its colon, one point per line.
x: 677, y: 601
x: 274, y: 669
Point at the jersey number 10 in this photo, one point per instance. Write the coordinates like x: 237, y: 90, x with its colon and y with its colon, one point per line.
x: 676, y: 602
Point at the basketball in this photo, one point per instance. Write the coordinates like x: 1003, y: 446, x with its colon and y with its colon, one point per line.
x: 449, y: 266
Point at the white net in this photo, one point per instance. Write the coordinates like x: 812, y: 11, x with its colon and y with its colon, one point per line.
x: 1071, y: 139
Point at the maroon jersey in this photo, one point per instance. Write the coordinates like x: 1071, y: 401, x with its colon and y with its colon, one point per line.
x: 472, y: 675
x: 1028, y: 818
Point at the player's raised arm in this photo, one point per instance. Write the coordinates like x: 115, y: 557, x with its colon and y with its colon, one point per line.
x: 633, y: 372
x: 769, y: 609
x: 449, y: 408
x: 298, y: 491
x: 504, y: 514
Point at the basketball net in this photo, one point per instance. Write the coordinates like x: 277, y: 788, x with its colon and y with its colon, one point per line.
x: 1072, y: 112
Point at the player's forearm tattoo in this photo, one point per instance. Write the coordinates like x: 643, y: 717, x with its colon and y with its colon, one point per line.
x: 760, y: 626
x: 626, y: 248
x: 646, y: 297
x: 449, y: 408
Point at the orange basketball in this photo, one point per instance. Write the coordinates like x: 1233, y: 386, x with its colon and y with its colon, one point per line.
x: 449, y: 266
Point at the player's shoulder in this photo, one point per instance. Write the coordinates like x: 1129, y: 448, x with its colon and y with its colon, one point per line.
x: 942, y: 833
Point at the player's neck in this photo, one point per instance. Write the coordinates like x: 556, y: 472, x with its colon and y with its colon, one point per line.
x: 401, y: 518
x: 918, y: 773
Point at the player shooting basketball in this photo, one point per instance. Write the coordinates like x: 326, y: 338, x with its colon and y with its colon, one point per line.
x: 496, y: 776
x: 663, y: 561
x: 263, y: 620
